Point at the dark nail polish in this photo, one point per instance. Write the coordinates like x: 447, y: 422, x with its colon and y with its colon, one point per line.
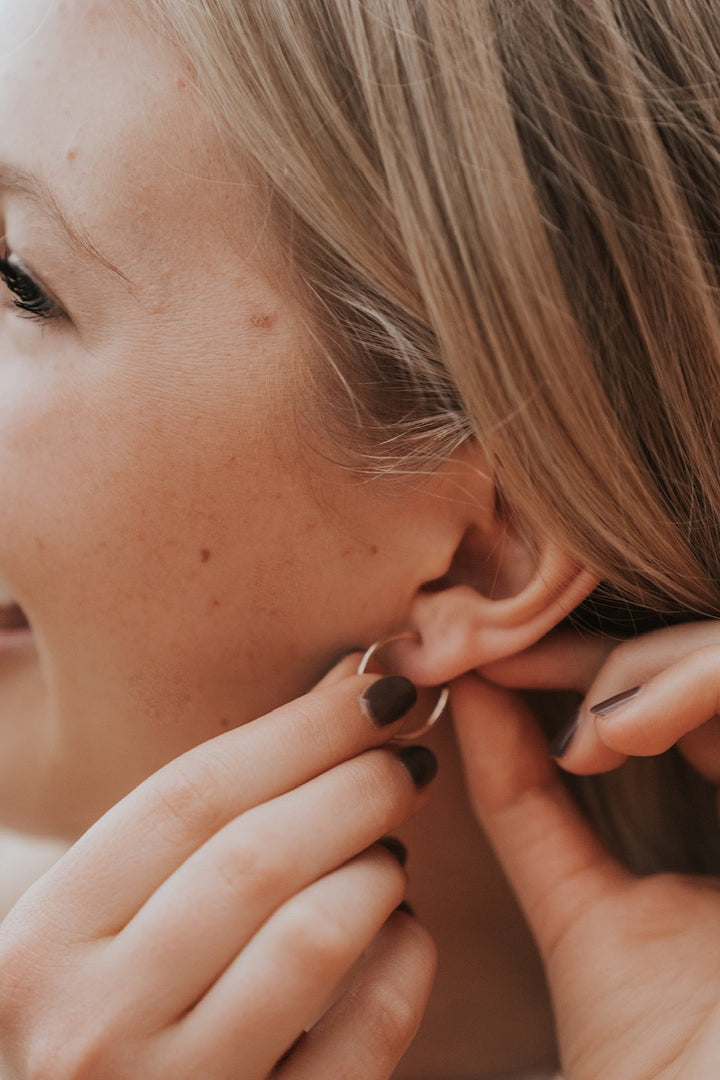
x: 395, y: 847
x: 420, y: 762
x: 604, y: 708
x: 404, y: 906
x: 388, y: 699
x: 560, y: 742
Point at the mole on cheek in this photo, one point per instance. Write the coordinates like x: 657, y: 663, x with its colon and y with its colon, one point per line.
x: 263, y: 320
x: 205, y: 555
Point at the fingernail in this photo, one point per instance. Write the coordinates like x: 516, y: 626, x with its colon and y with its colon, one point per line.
x: 560, y: 742
x: 388, y: 699
x: 612, y: 704
x: 404, y: 906
x: 395, y: 847
x: 420, y: 762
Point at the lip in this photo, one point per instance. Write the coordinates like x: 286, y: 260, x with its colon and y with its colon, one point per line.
x: 13, y: 640
x: 15, y: 633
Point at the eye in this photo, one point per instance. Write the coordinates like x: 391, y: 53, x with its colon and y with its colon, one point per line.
x: 28, y: 295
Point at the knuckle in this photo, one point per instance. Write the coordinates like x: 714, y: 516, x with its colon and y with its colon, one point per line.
x: 313, y: 932
x: 315, y: 724
x: 250, y: 867
x: 181, y: 802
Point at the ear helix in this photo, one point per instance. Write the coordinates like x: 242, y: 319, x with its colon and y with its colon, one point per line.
x: 443, y: 693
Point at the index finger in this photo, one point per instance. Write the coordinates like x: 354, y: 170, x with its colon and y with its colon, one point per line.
x: 679, y: 664
x: 600, y: 668
x: 110, y: 872
x: 565, y: 659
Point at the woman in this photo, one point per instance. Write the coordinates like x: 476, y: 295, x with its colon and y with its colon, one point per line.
x: 326, y: 322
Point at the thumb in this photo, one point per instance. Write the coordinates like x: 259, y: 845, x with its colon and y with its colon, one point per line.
x: 553, y: 860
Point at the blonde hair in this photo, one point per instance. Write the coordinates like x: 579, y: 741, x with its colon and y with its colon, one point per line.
x: 505, y: 213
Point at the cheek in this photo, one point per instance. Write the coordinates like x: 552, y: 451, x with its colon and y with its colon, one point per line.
x: 103, y: 484
x: 137, y: 519
x: 173, y: 544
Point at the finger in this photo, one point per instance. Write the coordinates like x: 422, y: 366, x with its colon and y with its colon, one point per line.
x: 584, y: 749
x: 366, y: 1032
x: 671, y: 706
x: 702, y: 749
x: 343, y: 669
x: 573, y: 659
x: 254, y: 864
x: 279, y: 985
x: 109, y: 873
x: 552, y: 858
x: 565, y: 659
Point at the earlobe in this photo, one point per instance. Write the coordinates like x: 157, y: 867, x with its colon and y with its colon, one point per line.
x: 461, y: 627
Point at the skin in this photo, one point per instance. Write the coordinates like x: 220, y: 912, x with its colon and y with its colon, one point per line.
x: 186, y: 556
x: 190, y: 558
x: 186, y: 552
x: 632, y: 963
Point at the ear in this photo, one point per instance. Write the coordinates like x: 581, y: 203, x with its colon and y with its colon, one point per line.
x: 504, y: 589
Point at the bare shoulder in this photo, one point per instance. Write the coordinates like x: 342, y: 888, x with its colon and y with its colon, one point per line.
x: 23, y: 859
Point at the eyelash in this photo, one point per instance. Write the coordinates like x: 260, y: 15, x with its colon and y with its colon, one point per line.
x: 32, y: 301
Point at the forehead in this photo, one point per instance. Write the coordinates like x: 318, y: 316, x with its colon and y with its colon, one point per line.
x: 80, y: 82
x: 104, y: 112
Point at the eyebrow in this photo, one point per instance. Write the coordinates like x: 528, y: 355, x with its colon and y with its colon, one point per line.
x: 35, y: 189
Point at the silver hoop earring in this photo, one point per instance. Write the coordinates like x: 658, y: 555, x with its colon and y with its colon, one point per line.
x: 443, y: 693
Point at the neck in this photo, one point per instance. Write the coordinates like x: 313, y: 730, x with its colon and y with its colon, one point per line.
x: 489, y: 1015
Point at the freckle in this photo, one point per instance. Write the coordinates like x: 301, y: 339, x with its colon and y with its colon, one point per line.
x: 215, y: 602
x: 224, y: 722
x: 263, y: 320
x: 374, y: 549
x: 181, y: 83
x: 204, y: 555
x: 72, y: 153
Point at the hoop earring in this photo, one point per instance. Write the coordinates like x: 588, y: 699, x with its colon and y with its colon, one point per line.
x: 443, y: 693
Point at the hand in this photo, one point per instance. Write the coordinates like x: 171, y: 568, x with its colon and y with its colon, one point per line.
x: 633, y: 964
x: 204, y: 923
x: 668, y: 682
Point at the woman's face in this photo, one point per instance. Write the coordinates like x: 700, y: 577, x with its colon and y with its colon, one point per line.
x: 186, y: 555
